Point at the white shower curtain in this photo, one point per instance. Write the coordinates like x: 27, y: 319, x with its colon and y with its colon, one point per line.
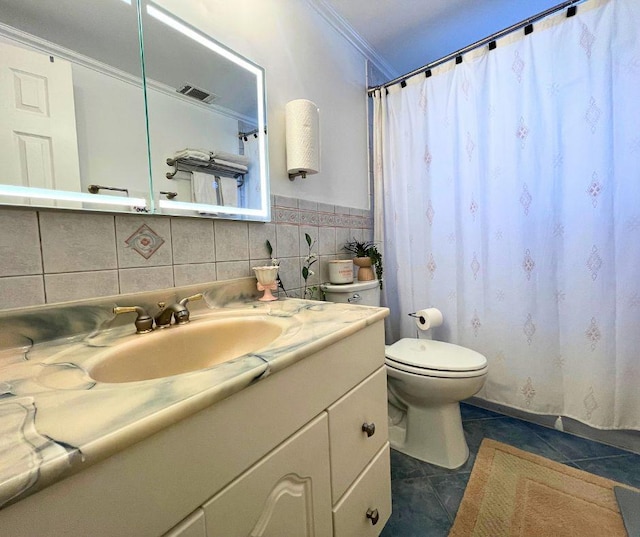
x: 510, y: 185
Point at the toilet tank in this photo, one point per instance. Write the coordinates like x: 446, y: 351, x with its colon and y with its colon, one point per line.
x: 360, y: 293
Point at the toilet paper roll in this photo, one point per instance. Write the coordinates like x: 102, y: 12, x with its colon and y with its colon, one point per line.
x: 428, y: 318
x: 302, y: 127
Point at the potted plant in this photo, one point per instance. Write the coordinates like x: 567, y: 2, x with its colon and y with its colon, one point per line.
x: 366, y: 259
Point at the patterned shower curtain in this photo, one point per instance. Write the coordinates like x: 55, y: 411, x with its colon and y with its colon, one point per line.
x: 510, y: 186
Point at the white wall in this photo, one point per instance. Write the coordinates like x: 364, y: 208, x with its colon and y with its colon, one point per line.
x: 304, y: 58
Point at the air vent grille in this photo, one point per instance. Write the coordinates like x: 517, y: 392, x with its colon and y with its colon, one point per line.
x: 196, y: 93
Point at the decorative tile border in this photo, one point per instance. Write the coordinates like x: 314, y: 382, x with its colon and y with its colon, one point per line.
x: 286, y: 211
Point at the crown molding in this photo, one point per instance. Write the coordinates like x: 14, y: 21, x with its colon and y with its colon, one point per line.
x: 343, y: 27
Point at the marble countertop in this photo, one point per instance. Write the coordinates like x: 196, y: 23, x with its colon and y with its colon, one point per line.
x: 56, y: 420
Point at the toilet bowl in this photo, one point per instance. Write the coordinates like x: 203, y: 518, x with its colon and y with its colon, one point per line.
x: 426, y: 380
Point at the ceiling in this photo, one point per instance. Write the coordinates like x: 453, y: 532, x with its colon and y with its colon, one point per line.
x: 402, y: 35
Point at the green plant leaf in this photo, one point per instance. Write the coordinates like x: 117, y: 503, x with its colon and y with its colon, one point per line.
x: 308, y: 238
x: 269, y: 248
x: 305, y: 273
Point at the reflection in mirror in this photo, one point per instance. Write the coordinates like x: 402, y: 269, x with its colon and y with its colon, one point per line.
x: 73, y: 123
x: 206, y: 112
x: 72, y: 127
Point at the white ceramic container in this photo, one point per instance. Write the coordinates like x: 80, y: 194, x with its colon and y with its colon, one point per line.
x: 341, y: 271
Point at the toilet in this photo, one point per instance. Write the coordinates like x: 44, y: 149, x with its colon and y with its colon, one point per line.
x: 426, y: 380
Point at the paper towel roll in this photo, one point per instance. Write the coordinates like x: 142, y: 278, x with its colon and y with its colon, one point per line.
x: 302, y: 126
x: 428, y: 318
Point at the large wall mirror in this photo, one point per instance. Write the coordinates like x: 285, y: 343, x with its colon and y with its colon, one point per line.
x: 118, y: 105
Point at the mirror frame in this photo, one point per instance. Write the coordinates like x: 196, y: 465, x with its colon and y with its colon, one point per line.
x: 143, y: 206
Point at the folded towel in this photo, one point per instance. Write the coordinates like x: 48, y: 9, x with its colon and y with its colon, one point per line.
x: 232, y: 166
x: 192, y: 154
x: 230, y: 157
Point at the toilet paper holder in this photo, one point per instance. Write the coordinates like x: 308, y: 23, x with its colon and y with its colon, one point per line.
x: 416, y: 316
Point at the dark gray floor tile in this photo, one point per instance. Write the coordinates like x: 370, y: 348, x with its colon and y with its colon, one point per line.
x: 625, y: 469
x: 573, y: 447
x: 404, y: 467
x: 426, y: 497
x: 417, y: 511
x: 450, y: 489
x: 509, y: 431
x: 471, y: 412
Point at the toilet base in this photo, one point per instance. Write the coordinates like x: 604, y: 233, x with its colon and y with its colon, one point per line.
x: 435, y: 435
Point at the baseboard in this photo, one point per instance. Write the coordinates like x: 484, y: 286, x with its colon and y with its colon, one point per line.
x: 623, y: 439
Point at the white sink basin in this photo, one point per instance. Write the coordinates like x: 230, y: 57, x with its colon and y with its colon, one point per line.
x: 180, y: 349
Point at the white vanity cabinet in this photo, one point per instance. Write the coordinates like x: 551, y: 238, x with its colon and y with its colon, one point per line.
x: 290, y: 493
x: 286, y: 456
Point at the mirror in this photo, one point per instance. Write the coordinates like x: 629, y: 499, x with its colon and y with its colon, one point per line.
x: 209, y: 146
x: 86, y: 125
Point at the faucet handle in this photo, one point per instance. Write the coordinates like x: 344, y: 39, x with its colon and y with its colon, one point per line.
x: 143, y: 322
x: 184, y: 301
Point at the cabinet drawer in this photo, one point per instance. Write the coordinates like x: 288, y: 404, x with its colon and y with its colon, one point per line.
x: 285, y: 494
x: 366, y: 506
x: 352, y: 447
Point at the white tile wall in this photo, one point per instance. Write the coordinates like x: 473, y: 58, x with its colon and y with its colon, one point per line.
x: 258, y: 236
x: 192, y: 240
x: 79, y: 285
x: 74, y: 242
x: 232, y: 240
x: 53, y: 256
x: 133, y: 280
x: 287, y: 241
x: 22, y: 291
x: 19, y: 228
x: 194, y: 273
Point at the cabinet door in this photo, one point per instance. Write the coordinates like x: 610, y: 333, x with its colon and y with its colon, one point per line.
x: 192, y: 526
x: 287, y: 493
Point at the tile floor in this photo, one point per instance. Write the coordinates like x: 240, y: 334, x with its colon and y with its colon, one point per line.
x: 426, y: 497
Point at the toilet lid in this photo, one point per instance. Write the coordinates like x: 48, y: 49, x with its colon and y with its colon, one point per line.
x: 435, y: 355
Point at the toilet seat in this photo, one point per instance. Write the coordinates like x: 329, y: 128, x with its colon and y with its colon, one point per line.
x: 434, y: 359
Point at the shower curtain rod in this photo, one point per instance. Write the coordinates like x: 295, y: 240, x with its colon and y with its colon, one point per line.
x: 487, y: 40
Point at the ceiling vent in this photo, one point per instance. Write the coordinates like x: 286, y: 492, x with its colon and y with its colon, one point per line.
x: 197, y: 93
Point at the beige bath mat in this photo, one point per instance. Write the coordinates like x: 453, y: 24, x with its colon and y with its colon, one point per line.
x: 514, y: 493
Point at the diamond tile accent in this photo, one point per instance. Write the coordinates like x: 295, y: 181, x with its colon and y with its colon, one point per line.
x: 145, y: 241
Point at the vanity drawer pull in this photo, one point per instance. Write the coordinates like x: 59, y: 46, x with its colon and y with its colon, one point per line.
x: 373, y: 515
x: 369, y: 428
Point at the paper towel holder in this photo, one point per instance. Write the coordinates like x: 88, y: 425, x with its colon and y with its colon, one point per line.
x: 292, y: 176
x: 302, y: 124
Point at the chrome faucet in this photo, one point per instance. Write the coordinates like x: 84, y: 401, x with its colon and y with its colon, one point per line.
x: 178, y: 311
x: 143, y: 322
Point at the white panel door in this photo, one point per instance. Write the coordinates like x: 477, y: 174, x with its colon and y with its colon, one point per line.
x: 38, y: 140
